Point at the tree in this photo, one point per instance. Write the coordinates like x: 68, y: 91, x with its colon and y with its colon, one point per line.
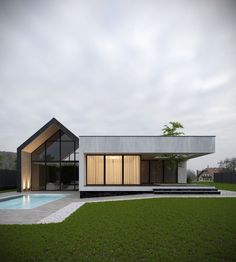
x: 190, y: 176
x: 171, y: 130
x: 229, y: 164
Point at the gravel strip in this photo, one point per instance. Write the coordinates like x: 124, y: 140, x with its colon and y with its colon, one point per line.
x: 61, y: 214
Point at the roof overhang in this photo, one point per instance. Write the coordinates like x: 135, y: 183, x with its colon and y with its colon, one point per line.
x: 149, y: 146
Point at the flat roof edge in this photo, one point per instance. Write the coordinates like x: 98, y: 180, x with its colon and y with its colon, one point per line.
x: 145, y: 136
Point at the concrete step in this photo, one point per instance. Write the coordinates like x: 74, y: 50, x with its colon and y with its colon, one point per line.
x: 186, y: 192
x: 185, y: 189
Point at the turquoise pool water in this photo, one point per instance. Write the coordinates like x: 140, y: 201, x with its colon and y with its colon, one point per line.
x: 28, y: 201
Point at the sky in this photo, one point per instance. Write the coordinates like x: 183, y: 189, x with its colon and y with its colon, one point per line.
x: 119, y: 68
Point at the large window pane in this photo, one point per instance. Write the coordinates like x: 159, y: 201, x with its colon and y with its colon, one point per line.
x: 53, y: 151
x: 67, y: 176
x: 95, y: 170
x: 55, y: 137
x: 53, y: 176
x: 65, y: 137
x: 67, y: 151
x: 131, y: 170
x: 114, y: 170
x: 39, y: 154
x: 53, y: 164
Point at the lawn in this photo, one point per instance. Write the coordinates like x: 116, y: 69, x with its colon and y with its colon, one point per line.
x: 7, y: 190
x: 223, y: 186
x: 175, y: 229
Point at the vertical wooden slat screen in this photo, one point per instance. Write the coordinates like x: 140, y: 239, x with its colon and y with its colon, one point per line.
x: 132, y: 170
x: 114, y: 170
x: 95, y: 170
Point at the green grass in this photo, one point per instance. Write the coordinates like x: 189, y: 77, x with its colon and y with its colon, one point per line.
x: 223, y: 186
x: 7, y: 190
x: 139, y: 230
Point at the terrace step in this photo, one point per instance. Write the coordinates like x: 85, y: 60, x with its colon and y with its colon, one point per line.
x: 185, y: 190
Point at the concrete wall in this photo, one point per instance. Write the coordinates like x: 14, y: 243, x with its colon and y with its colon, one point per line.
x: 153, y: 144
x: 25, y: 170
x: 182, y: 173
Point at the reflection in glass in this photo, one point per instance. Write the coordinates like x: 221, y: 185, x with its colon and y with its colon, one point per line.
x: 53, y: 176
x: 55, y: 137
x: 67, y: 176
x: 65, y: 137
x: 52, y: 151
x: 67, y: 151
x: 39, y: 153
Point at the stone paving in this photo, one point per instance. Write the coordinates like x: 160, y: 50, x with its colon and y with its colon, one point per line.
x: 59, y: 210
x: 61, y: 214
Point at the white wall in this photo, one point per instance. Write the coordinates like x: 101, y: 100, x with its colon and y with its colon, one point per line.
x: 182, y: 172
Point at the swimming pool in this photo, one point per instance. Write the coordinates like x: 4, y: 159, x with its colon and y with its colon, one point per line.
x: 28, y: 201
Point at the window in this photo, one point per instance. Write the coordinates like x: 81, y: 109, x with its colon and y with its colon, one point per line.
x: 39, y: 154
x: 95, y: 170
x: 67, y: 150
x: 131, y: 170
x: 65, y: 137
x: 52, y: 151
x: 53, y: 164
x: 113, y: 170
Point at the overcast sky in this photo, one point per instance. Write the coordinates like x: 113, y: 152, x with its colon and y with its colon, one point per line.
x: 119, y: 67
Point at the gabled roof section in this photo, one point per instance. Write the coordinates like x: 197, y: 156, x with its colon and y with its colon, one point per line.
x: 210, y: 171
x: 44, y: 133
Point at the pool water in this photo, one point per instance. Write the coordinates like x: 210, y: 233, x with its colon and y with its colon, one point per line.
x: 28, y: 201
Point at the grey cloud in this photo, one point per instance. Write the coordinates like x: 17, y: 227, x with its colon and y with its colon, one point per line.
x: 119, y: 67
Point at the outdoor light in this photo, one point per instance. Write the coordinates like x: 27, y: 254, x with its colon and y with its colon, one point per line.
x: 28, y: 185
x: 24, y: 185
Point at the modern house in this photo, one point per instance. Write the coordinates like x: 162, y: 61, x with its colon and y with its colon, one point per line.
x: 55, y: 159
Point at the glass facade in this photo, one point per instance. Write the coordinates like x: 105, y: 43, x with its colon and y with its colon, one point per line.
x: 54, y: 165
